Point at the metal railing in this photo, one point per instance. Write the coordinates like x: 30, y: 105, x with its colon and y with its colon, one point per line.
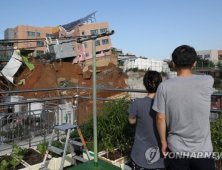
x: 29, y: 127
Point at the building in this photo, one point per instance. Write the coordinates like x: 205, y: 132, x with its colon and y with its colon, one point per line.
x: 80, y: 28
x: 214, y: 72
x: 219, y: 54
x: 34, y: 35
x: 5, y: 52
x: 211, y: 55
x: 85, y: 27
x: 124, y: 57
x: 9, y: 34
x: 103, y: 44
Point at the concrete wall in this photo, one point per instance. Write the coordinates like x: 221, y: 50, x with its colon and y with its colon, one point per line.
x: 9, y: 33
x: 102, y: 61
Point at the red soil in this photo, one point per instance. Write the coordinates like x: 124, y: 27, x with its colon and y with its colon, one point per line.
x: 45, y: 76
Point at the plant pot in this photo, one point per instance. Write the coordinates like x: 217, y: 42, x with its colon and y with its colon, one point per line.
x: 53, y: 163
x: 119, y: 162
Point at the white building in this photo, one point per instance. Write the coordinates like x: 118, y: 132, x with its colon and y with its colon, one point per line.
x: 147, y: 64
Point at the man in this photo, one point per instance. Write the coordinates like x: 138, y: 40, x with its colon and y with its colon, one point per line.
x: 183, y: 109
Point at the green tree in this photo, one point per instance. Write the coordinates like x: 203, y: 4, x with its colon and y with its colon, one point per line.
x: 217, y: 82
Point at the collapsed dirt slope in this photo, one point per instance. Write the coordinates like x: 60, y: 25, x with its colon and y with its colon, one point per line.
x: 45, y: 76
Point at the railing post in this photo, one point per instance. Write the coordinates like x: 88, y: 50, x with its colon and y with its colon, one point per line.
x: 77, y: 105
x: 13, y: 126
x: 84, y: 109
x: 44, y: 136
x: 29, y: 127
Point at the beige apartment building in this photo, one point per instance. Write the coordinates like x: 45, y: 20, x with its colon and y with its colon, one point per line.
x: 103, y: 44
x: 31, y: 38
x: 35, y: 37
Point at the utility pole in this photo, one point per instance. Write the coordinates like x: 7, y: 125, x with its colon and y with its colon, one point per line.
x: 93, y: 38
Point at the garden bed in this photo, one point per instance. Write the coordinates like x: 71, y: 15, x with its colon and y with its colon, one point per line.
x: 8, y: 158
x: 116, y: 154
x: 32, y: 157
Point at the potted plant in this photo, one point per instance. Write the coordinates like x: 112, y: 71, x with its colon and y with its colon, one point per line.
x: 12, y: 161
x: 216, y: 137
x: 114, y: 132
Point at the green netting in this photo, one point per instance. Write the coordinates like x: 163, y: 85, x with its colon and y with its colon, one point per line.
x: 28, y: 64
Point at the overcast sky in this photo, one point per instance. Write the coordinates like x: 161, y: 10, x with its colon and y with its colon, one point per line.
x: 150, y: 28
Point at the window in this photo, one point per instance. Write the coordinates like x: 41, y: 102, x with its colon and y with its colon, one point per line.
x: 206, y: 56
x: 103, y: 30
x: 31, y: 34
x: 40, y: 53
x: 97, y: 43
x: 87, y: 54
x: 40, y: 43
x: 94, y: 32
x: 37, y: 34
x: 83, y: 33
x: 200, y: 56
x: 105, y: 41
x: 49, y: 35
x: 85, y: 44
x: 213, y: 100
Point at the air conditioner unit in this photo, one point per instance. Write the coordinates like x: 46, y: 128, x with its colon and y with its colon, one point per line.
x: 65, y: 114
x: 13, y: 108
x: 35, y: 109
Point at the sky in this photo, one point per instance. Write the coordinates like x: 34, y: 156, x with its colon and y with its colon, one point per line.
x: 149, y: 28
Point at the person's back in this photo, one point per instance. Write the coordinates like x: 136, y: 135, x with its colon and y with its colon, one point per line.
x: 183, y: 106
x: 146, y: 148
x: 188, y: 112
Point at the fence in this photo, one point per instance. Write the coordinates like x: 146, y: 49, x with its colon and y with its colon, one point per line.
x: 34, y: 120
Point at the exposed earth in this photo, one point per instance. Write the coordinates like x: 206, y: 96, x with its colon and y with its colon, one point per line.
x: 49, y: 76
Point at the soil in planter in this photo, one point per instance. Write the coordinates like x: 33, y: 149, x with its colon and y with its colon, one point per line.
x: 33, y: 157
x: 113, y: 155
x: 8, y: 158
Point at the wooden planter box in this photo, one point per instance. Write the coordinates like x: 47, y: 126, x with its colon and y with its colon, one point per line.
x: 9, y: 158
x: 53, y: 164
x: 118, y: 162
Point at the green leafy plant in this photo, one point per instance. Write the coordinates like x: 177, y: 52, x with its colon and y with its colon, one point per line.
x: 16, y: 157
x: 216, y: 134
x: 42, y: 147
x: 163, y: 73
x: 4, y: 165
x: 135, y: 69
x: 114, y: 130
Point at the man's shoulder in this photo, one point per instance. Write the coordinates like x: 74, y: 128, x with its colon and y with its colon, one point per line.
x: 205, y: 79
x: 194, y: 77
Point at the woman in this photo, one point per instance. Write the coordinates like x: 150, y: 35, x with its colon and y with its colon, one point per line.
x: 146, y: 154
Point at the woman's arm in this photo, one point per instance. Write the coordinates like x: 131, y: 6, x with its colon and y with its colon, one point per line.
x: 132, y: 120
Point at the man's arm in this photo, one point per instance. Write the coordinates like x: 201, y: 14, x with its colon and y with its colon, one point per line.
x: 161, y: 127
x: 132, y: 120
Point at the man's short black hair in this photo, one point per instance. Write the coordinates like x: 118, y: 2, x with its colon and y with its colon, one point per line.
x: 151, y: 81
x: 184, y: 56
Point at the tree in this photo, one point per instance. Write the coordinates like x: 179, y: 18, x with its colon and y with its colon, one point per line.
x: 114, y: 50
x: 217, y: 82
